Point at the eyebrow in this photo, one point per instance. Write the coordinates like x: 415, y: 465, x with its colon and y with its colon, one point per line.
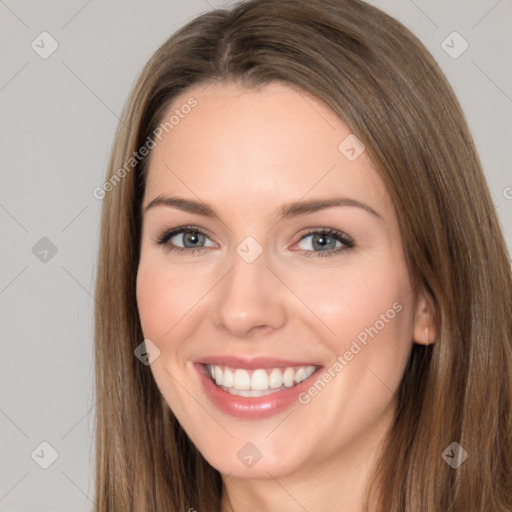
x: 286, y: 211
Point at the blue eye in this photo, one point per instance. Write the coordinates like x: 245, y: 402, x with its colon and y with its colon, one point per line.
x: 322, y: 242
x: 325, y: 242
x: 185, y: 238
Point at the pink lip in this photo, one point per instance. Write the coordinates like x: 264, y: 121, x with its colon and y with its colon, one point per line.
x: 252, y: 363
x: 250, y: 408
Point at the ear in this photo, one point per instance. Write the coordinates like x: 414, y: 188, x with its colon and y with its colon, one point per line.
x: 425, y: 331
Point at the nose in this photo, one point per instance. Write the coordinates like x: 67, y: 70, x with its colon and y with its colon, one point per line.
x: 250, y: 299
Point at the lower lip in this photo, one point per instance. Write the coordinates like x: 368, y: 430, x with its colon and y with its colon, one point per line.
x: 251, y: 408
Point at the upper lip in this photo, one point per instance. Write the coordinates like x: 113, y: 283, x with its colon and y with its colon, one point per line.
x: 252, y: 363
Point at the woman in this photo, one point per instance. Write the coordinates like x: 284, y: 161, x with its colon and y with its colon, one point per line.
x: 296, y: 222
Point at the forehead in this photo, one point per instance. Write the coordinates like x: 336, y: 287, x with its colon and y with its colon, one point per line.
x: 258, y: 145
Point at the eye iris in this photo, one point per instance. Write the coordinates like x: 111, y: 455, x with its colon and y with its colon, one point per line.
x: 324, y: 241
x: 192, y: 238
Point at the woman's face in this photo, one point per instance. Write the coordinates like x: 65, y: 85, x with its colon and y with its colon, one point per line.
x: 290, y: 287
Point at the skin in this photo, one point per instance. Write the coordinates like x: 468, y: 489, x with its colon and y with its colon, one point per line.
x: 247, y: 152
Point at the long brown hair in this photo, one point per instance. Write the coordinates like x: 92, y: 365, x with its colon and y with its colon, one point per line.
x: 381, y: 82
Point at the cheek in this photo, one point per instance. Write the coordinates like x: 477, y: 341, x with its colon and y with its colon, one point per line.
x: 165, y: 297
x: 153, y: 302
x: 358, y: 303
x: 369, y: 313
x: 165, y: 300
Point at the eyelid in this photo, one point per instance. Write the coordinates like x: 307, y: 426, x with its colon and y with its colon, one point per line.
x: 329, y: 231
x: 346, y: 240
x: 167, y: 234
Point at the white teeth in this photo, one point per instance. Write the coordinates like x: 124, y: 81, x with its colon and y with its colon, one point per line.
x: 288, y: 376
x: 218, y: 376
x: 229, y: 378
x: 275, y: 379
x: 299, y: 375
x: 242, y: 381
x: 308, y: 372
x: 258, y: 382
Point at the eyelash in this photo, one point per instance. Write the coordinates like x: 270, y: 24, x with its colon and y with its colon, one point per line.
x: 346, y: 240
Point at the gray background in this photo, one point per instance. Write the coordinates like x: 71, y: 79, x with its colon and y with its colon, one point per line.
x: 59, y: 116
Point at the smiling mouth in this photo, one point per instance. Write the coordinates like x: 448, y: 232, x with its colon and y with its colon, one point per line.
x: 259, y: 382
